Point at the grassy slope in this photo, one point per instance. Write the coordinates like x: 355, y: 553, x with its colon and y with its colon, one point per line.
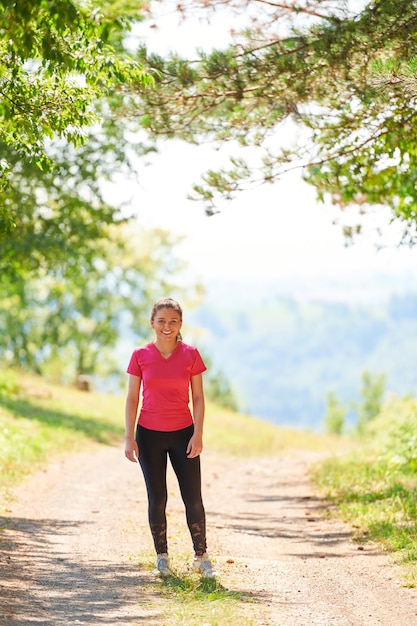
x: 375, y: 486
x: 39, y: 420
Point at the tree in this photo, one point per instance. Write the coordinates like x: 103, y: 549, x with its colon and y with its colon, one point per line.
x: 372, y: 392
x: 61, y: 214
x: 334, y: 418
x: 74, y: 273
x: 65, y: 321
x: 217, y: 387
x: 346, y: 75
x: 57, y: 59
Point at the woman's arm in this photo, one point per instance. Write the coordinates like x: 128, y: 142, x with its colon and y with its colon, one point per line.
x: 195, y: 445
x: 131, y: 411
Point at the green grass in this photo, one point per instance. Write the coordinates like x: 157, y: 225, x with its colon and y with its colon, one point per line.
x: 196, y: 602
x: 202, y: 602
x: 375, y: 488
x: 248, y: 436
x: 39, y: 421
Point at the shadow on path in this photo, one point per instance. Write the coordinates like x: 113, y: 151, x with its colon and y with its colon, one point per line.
x: 41, y: 584
x: 94, y: 593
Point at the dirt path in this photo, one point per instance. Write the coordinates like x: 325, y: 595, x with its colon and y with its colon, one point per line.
x: 69, y: 555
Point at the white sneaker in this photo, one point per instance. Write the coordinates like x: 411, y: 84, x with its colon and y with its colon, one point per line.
x: 204, y: 566
x: 162, y: 565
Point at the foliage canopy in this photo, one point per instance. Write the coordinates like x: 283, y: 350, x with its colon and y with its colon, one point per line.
x: 344, y: 72
x: 74, y: 273
x: 56, y: 60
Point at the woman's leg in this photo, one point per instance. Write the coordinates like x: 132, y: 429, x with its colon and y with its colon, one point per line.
x: 188, y: 473
x: 152, y: 446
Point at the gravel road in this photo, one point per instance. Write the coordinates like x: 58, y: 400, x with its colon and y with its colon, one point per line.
x: 75, y: 548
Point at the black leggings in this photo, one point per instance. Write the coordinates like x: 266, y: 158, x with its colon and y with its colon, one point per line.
x: 154, y: 448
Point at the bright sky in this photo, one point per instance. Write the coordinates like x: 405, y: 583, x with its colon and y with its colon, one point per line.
x: 272, y: 232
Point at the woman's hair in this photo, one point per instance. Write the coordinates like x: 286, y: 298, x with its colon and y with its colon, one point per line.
x: 167, y: 303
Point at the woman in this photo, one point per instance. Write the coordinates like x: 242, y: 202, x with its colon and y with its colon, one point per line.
x: 166, y: 369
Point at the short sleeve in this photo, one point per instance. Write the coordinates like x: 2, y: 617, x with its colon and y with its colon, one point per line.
x: 134, y: 367
x: 198, y: 366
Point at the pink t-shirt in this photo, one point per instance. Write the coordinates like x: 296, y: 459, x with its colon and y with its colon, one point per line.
x: 166, y: 385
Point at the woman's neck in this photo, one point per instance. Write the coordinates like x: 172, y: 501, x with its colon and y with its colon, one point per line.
x: 166, y: 348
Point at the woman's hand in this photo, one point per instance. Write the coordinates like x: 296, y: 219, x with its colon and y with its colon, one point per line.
x: 131, y: 450
x: 195, y: 446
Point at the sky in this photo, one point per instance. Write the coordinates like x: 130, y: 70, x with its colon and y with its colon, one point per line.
x: 271, y: 233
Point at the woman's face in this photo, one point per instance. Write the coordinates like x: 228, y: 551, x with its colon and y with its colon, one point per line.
x: 166, y: 323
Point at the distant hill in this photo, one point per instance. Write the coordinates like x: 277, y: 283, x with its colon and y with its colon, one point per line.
x: 284, y: 346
